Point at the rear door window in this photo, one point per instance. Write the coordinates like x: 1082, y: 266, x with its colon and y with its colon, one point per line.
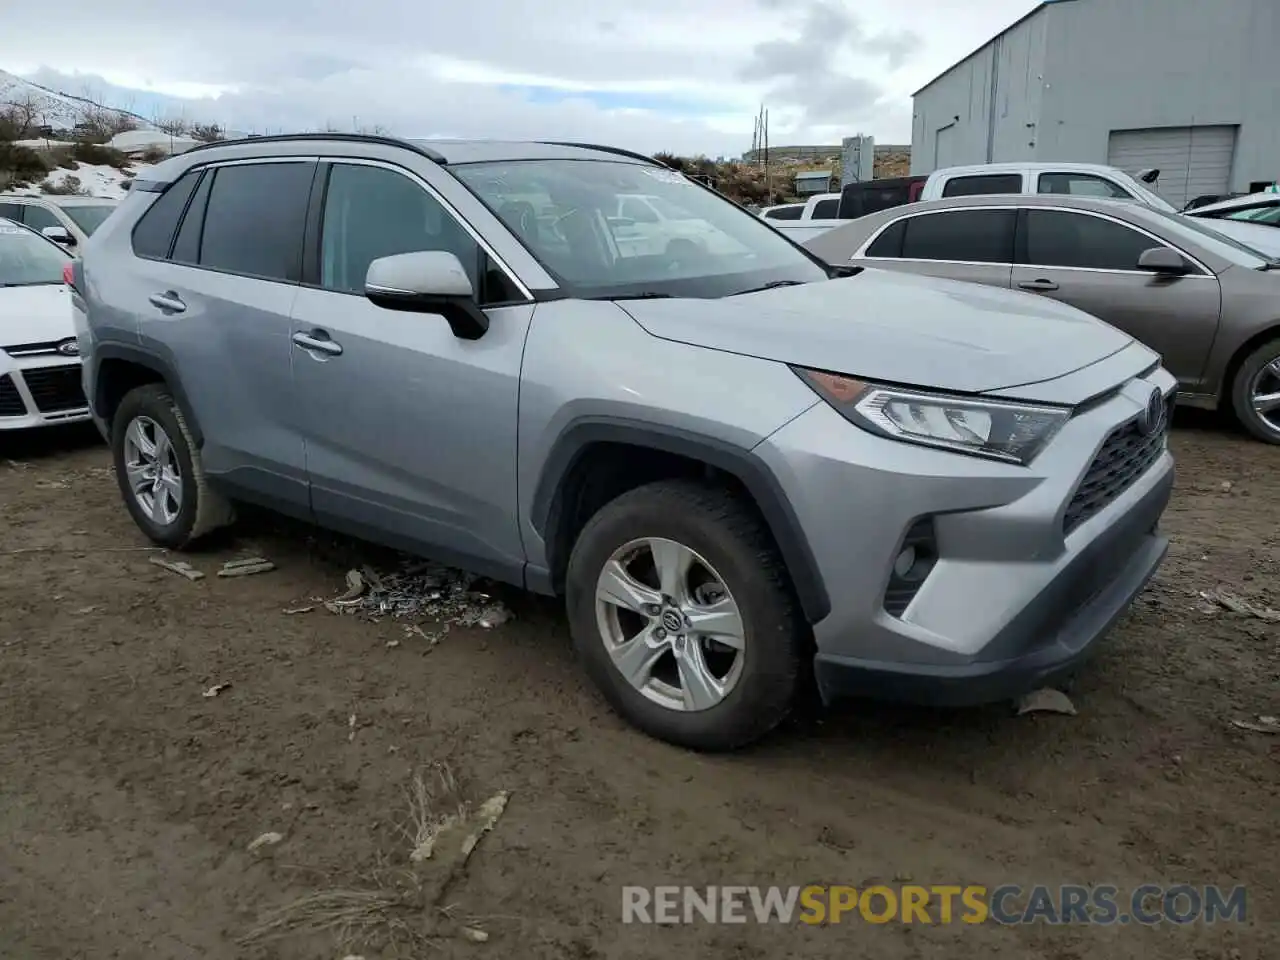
x: 963, y: 236
x: 11, y: 211
x: 255, y: 218
x: 982, y: 184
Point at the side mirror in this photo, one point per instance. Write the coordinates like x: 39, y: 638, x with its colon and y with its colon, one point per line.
x: 1163, y: 260
x: 59, y: 235
x: 428, y: 281
x: 1149, y: 175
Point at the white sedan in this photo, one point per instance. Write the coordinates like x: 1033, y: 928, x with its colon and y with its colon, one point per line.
x: 39, y: 357
x: 1253, y: 220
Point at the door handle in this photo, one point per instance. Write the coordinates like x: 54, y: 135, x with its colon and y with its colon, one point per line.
x: 168, y: 301
x: 1038, y: 285
x: 319, y: 341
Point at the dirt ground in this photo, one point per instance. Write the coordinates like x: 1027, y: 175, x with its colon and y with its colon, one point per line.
x: 128, y: 799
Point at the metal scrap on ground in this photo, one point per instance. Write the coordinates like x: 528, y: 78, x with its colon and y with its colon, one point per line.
x: 1046, y: 700
x: 1262, y: 725
x: 177, y: 566
x: 246, y: 567
x: 420, y: 589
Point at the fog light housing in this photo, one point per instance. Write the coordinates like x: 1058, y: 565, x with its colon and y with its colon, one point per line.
x: 911, y: 566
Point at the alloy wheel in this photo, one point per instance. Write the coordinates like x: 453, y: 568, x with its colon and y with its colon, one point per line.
x: 670, y: 624
x: 151, y: 466
x: 1264, y: 392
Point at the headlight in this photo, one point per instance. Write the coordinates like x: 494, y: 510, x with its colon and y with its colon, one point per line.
x: 1013, y: 432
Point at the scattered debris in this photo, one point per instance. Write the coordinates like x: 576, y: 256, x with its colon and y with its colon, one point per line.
x: 1263, y: 725
x: 178, y: 566
x: 419, y: 589
x: 1226, y: 486
x: 488, y: 815
x: 295, y: 610
x: 474, y: 935
x: 1046, y: 700
x: 351, y: 728
x: 392, y: 644
x: 246, y: 568
x: 85, y: 610
x: 1238, y: 605
x: 266, y: 840
x: 216, y: 689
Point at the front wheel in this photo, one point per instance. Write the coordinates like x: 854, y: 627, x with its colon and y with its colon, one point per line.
x: 681, y: 610
x: 1255, y: 393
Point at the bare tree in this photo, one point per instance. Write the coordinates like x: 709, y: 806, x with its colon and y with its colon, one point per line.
x: 21, y: 117
x: 173, y: 126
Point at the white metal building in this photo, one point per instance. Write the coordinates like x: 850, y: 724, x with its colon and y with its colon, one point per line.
x: 1188, y: 86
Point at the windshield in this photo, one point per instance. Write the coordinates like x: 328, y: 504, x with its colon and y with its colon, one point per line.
x: 1151, y: 198
x: 28, y: 259
x: 88, y: 217
x: 573, y: 215
x: 1180, y: 226
x: 1267, y: 215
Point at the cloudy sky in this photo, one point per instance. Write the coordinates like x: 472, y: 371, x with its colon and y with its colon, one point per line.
x: 678, y: 75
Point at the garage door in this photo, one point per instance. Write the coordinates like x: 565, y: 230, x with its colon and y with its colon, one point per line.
x: 1193, y: 161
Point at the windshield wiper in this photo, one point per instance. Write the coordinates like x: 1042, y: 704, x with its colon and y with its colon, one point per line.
x: 1270, y: 265
x: 648, y: 295
x: 770, y: 286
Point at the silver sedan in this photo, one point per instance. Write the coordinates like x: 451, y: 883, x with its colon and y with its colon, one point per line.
x: 1208, y: 303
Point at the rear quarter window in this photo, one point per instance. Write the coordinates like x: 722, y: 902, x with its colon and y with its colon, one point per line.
x: 153, y: 234
x: 827, y: 209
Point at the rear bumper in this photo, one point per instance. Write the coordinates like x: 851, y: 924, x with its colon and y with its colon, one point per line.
x: 1056, y: 631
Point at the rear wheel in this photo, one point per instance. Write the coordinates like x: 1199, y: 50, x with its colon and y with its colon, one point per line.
x: 159, y: 472
x: 1255, y: 393
x: 681, y: 611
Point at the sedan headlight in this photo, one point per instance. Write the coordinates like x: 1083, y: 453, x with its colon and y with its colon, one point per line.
x: 1000, y: 430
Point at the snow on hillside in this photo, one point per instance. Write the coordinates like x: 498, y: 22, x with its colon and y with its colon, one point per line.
x: 95, y: 181
x: 54, y: 109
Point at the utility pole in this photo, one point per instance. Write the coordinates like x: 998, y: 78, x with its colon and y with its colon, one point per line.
x: 768, y: 171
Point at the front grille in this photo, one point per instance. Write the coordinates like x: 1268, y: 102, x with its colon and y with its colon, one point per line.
x: 11, y: 404
x: 32, y: 349
x: 55, y: 388
x: 1125, y: 456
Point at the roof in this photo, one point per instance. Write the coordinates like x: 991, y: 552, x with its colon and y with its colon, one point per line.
x: 1021, y: 20
x: 815, y: 175
x: 63, y: 200
x: 480, y: 151
x: 1264, y: 199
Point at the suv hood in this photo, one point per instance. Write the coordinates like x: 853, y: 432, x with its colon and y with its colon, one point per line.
x: 35, y: 314
x: 895, y: 328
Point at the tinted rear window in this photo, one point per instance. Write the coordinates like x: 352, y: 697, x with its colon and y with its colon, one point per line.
x: 984, y: 184
x: 826, y: 209
x: 153, y: 234
x: 968, y: 236
x: 254, y: 221
x: 786, y: 213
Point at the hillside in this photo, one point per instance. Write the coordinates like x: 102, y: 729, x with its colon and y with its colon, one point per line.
x: 61, y: 111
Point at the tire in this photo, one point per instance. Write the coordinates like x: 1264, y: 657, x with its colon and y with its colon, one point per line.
x: 1250, y: 375
x: 201, y: 509
x: 723, y: 532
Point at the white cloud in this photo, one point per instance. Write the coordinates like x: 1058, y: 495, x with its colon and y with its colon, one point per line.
x: 667, y: 74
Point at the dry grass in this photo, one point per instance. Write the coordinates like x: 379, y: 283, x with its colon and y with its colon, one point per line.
x: 435, y: 805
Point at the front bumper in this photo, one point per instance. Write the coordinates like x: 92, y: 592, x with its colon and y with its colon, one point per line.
x: 1017, y: 594
x: 40, y: 389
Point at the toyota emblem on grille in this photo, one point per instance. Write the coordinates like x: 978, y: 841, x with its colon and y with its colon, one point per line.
x: 1152, y: 420
x: 69, y: 348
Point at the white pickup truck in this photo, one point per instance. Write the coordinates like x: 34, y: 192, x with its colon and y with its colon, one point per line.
x: 827, y: 211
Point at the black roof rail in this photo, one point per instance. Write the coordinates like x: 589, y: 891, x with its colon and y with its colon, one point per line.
x: 618, y: 151
x: 427, y: 152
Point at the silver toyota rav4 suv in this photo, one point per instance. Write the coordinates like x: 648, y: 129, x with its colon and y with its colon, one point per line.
x: 737, y: 464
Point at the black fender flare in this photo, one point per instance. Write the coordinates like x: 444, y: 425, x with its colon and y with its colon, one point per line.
x: 759, y: 481
x: 153, y: 361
